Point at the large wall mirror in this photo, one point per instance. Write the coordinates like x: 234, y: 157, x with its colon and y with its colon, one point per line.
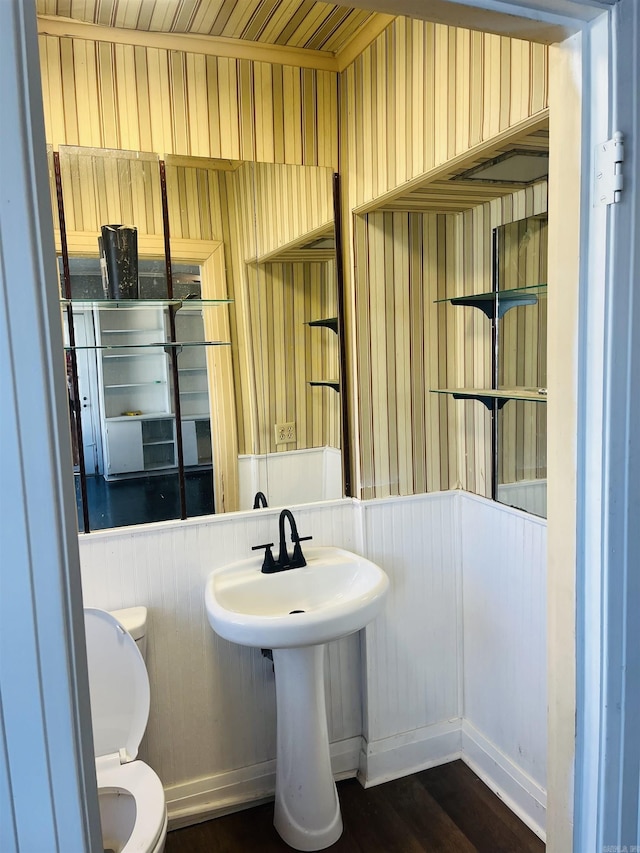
x: 520, y: 269
x: 200, y: 305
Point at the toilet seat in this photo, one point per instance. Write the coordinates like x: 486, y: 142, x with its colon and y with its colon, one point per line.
x: 119, y: 690
x: 118, y: 684
x: 139, y: 780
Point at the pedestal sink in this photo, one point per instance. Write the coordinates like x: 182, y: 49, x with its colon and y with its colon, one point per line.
x: 295, y: 612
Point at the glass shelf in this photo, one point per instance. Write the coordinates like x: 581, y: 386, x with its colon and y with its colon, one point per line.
x: 152, y: 382
x: 130, y: 331
x: 158, y: 345
x: 505, y: 299
x: 109, y: 304
x: 487, y: 396
x: 143, y: 416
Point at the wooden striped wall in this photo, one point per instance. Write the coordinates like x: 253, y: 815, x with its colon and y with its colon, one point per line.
x: 148, y: 99
x: 110, y: 186
x: 280, y: 205
x: 420, y: 95
x: 295, y: 23
x: 423, y: 93
x: 291, y: 202
x: 410, y: 439
x: 404, y: 263
x: 289, y: 353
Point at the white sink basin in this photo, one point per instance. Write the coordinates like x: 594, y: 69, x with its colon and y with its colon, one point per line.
x: 338, y: 592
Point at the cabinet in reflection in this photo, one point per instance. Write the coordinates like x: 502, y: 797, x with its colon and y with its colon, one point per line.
x: 127, y: 385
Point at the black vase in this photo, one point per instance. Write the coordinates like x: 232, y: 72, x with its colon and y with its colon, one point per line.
x: 120, y: 252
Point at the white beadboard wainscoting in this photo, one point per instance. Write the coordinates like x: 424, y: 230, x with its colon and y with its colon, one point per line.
x: 529, y: 495
x: 413, y: 655
x: 504, y: 734
x: 453, y: 667
x: 211, y: 732
x: 291, y: 477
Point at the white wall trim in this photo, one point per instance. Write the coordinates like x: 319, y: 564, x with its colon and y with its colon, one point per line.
x: 48, y: 797
x: 520, y: 792
x: 408, y: 752
x: 430, y: 746
x: 503, y: 508
x: 224, y: 793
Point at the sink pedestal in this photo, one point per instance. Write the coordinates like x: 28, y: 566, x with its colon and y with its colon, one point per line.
x: 307, y: 812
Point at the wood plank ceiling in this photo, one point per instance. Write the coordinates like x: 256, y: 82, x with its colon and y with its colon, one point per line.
x: 292, y: 23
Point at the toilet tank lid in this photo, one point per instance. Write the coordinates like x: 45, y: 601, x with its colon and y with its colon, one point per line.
x: 133, y: 620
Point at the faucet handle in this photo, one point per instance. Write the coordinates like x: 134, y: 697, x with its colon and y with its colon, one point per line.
x: 268, y: 565
x: 298, y: 560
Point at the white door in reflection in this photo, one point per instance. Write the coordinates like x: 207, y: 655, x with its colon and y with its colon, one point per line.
x: 87, y: 391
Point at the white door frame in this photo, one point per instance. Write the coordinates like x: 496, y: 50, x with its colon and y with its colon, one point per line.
x: 48, y: 767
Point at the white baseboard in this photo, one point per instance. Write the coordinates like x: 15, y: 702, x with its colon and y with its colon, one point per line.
x: 373, y: 763
x: 214, y: 796
x: 517, y: 790
x: 409, y: 752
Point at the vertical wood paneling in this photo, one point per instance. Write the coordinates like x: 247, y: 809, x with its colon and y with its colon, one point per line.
x: 410, y: 439
x: 288, y: 353
x: 171, y: 102
x: 404, y: 346
x: 504, y: 613
x: 278, y: 205
x: 463, y: 88
x: 102, y: 186
x: 291, y: 202
x: 466, y: 87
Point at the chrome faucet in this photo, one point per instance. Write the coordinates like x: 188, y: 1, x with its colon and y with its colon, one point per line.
x: 284, y: 561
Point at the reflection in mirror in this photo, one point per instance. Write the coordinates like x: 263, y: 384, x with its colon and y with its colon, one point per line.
x: 521, y: 268
x: 126, y: 399
x: 128, y: 392
x: 253, y: 323
x: 294, y: 312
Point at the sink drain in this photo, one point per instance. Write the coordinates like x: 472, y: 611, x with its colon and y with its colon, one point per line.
x: 291, y: 612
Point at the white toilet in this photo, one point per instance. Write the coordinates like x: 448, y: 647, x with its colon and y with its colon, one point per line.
x: 132, y: 803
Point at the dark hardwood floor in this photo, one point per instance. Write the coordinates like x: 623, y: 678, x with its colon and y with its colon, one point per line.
x: 443, y: 810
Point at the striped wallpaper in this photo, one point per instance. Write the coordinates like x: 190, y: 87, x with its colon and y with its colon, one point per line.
x: 403, y: 264
x: 296, y: 23
x: 291, y: 202
x: 171, y: 102
x: 419, y: 95
x: 423, y: 93
x: 289, y: 354
x: 410, y: 439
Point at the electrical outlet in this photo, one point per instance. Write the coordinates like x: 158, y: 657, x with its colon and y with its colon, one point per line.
x: 285, y: 433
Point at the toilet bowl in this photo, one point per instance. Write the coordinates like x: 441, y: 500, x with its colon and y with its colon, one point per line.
x: 133, y: 811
